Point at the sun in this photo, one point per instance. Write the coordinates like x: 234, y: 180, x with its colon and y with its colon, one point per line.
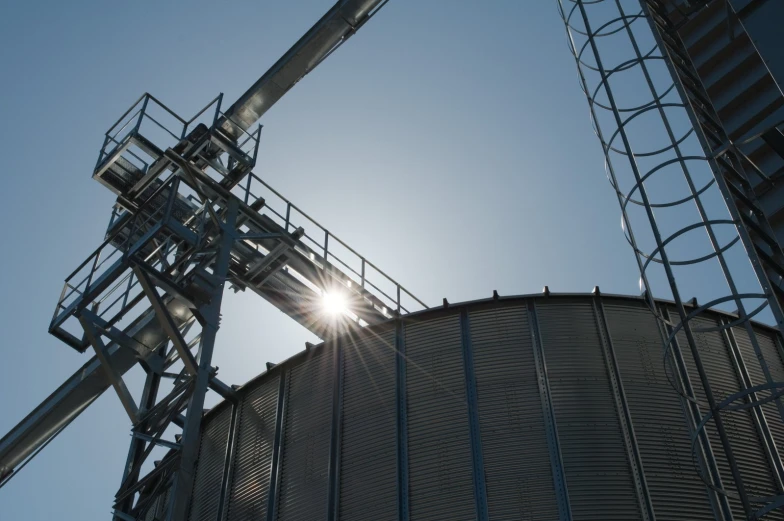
x: 334, y: 303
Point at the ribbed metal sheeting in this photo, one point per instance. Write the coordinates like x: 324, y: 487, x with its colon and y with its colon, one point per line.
x: 308, y: 422
x: 595, y: 457
x: 658, y: 415
x: 528, y: 408
x: 250, y: 476
x: 517, y: 463
x: 208, y: 480
x: 368, y: 462
x: 439, y: 445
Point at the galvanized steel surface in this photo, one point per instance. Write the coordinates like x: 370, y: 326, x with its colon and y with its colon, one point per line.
x: 253, y: 453
x: 205, y: 499
x: 619, y: 438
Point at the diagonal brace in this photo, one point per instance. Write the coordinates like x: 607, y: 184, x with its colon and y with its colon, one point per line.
x: 114, y: 377
x: 167, y: 323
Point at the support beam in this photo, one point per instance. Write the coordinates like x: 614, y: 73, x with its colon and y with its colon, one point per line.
x: 472, y: 400
x: 125, y: 341
x: 210, y: 312
x: 166, y: 320
x: 111, y: 373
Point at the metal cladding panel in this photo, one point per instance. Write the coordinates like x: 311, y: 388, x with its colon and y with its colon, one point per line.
x: 368, y: 459
x: 518, y: 473
x: 744, y: 438
x: 250, y: 475
x: 439, y: 446
x: 208, y: 480
x: 658, y: 415
x: 771, y: 357
x: 610, y: 436
x: 598, y: 474
x: 303, y: 487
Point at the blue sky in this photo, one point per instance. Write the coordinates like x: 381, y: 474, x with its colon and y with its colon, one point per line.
x: 447, y: 142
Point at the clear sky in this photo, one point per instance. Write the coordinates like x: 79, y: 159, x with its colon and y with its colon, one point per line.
x: 448, y: 142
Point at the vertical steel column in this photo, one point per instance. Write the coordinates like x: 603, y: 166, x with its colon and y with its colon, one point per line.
x: 624, y: 415
x: 402, y: 421
x: 136, y: 450
x: 480, y: 489
x: 277, y: 453
x: 231, y: 444
x: 210, y: 312
x: 333, y: 483
x: 556, y: 460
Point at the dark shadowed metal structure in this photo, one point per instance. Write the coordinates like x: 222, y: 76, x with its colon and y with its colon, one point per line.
x: 549, y: 407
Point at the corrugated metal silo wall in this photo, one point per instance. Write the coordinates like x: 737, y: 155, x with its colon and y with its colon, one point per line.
x: 528, y: 408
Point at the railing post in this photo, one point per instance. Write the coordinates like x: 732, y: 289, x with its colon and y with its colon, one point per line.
x: 363, y: 272
x: 288, y: 215
x: 256, y: 146
x: 217, y: 109
x: 141, y: 114
x: 103, y: 148
x: 92, y: 272
x: 173, y: 190
x: 326, y: 245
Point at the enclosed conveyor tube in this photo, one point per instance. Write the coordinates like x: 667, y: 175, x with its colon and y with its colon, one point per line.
x: 334, y: 28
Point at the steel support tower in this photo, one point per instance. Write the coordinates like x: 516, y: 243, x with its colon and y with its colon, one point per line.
x: 191, y: 217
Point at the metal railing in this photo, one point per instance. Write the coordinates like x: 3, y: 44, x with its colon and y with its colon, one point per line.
x: 346, y: 266
x: 150, y: 118
x: 129, y: 234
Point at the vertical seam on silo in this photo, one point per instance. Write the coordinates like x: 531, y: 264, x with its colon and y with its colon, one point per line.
x: 624, y: 414
x: 556, y: 460
x: 480, y: 491
x: 779, y: 347
x: 757, y: 414
x: 277, y: 453
x: 709, y: 461
x: 333, y: 484
x: 402, y: 421
x: 231, y: 443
